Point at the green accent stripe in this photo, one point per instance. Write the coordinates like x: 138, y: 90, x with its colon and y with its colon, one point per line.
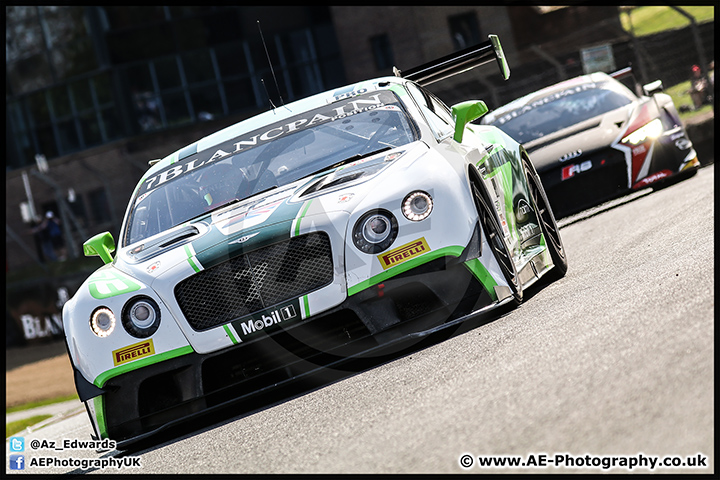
x: 495, y: 149
x: 400, y: 91
x: 453, y: 251
x: 306, y: 305
x: 109, y: 280
x: 508, y: 190
x: 302, y: 214
x: 478, y: 270
x: 190, y: 260
x: 160, y: 357
x: 100, y: 415
x: 507, y: 187
x: 230, y: 334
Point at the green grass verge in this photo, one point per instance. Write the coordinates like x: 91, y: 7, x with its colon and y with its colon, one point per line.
x: 652, y: 19
x: 14, y: 427
x: 680, y: 96
x: 40, y: 403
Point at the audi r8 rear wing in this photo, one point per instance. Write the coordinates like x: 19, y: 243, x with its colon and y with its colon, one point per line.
x: 458, y: 62
x: 627, y: 77
x: 623, y: 73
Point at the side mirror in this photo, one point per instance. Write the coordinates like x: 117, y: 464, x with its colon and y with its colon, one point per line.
x: 465, y: 113
x: 102, y: 245
x: 653, y: 87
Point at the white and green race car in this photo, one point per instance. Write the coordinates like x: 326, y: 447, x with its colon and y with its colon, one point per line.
x: 318, y: 231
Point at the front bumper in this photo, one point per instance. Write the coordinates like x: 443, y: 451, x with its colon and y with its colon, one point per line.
x: 595, y: 178
x: 605, y: 174
x: 433, y: 296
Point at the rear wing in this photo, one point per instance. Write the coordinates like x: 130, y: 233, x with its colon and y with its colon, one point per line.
x: 458, y: 62
x: 626, y: 76
x: 623, y: 73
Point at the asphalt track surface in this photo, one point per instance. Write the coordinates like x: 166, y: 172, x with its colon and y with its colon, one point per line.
x: 614, y: 360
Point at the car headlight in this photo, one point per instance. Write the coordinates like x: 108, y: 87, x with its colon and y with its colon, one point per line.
x: 651, y: 130
x: 141, y: 317
x: 375, y: 231
x: 417, y: 206
x: 102, y: 322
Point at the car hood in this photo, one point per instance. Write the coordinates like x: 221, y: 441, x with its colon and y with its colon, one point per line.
x: 593, y: 134
x: 260, y: 220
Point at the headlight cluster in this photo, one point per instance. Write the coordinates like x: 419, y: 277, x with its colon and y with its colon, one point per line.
x: 377, y: 229
x: 651, y: 130
x: 102, y: 322
x: 140, y: 318
x: 417, y: 206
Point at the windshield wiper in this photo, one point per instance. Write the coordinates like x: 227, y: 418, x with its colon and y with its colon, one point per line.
x: 236, y: 200
x: 354, y: 158
x: 255, y: 194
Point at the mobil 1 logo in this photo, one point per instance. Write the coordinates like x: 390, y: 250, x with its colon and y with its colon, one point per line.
x: 267, y: 320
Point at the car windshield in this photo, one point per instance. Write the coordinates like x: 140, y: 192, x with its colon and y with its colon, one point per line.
x: 561, y: 110
x: 277, y: 154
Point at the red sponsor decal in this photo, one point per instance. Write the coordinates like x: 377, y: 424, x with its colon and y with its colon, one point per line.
x: 652, y: 179
x: 643, y: 117
x: 639, y: 154
x: 570, y: 170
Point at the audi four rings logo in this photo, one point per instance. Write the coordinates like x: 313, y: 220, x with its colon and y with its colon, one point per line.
x: 571, y: 155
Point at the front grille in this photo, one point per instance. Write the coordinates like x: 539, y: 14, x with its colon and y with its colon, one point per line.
x: 256, y: 280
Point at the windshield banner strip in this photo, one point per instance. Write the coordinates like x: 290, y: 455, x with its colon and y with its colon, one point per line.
x: 306, y: 120
x: 187, y: 151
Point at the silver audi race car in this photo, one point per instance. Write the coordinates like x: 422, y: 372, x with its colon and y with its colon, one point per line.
x: 592, y: 139
x: 324, y: 229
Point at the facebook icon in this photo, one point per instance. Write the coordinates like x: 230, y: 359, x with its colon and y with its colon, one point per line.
x: 17, y: 462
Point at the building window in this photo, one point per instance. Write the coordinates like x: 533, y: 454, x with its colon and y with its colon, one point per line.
x: 64, y: 119
x: 298, y: 56
x: 465, y: 30
x: 382, y: 51
x: 44, y: 45
x: 78, y: 77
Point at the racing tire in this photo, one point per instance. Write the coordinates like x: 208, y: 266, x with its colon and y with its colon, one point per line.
x: 491, y: 227
x: 548, y: 224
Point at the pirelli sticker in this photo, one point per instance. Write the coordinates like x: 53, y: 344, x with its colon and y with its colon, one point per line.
x: 133, y: 352
x: 403, y: 253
